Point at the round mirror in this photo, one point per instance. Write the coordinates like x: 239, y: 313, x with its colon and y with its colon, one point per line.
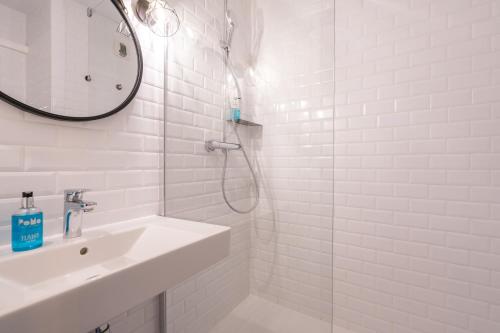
x: 76, y: 60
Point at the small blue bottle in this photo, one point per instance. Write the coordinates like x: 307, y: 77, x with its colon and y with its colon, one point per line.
x: 236, y: 109
x: 27, y: 225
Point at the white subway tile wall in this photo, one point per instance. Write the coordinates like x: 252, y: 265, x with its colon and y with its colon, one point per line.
x: 119, y: 158
x: 111, y: 157
x: 416, y: 236
x: 292, y: 96
x: 416, y: 157
x: 194, y: 114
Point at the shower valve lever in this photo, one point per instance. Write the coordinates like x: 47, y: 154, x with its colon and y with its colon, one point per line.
x: 212, y: 145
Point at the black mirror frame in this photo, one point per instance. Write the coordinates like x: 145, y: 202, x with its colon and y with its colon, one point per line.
x: 28, y: 108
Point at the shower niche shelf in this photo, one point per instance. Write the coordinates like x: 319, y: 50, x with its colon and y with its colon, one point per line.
x: 246, y: 123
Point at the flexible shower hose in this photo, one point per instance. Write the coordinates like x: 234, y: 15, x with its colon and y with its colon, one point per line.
x: 226, y: 154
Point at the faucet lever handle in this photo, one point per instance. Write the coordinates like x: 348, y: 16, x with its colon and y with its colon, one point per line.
x: 74, y: 194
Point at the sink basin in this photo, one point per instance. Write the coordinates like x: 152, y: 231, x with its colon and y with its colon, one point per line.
x: 77, y: 285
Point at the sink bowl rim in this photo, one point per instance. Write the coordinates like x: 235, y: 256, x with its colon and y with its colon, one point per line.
x: 56, y: 242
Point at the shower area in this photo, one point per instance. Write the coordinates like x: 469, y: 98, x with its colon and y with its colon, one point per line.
x: 353, y: 148
x: 267, y: 172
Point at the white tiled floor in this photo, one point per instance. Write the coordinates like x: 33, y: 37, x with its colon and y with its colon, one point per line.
x: 256, y: 315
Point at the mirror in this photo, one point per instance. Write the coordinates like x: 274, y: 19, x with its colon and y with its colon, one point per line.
x: 74, y: 60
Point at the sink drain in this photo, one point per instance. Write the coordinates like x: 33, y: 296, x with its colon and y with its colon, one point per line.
x: 83, y: 251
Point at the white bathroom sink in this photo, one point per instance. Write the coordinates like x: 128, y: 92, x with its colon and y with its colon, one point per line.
x: 76, y: 285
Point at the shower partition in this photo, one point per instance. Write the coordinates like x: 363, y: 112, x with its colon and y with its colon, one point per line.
x: 290, y: 84
x: 280, y: 267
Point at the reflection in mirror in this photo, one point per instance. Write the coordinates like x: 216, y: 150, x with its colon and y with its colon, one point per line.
x: 73, y: 58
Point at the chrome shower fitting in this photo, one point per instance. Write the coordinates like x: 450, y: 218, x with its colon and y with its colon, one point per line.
x: 212, y: 145
x: 226, y: 42
x: 224, y: 146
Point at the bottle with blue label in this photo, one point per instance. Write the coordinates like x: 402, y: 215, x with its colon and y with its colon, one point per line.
x: 27, y: 225
x: 236, y: 109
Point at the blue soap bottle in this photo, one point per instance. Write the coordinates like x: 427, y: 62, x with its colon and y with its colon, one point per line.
x: 236, y: 109
x: 27, y: 225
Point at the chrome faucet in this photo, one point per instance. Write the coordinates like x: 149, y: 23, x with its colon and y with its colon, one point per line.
x: 74, y: 207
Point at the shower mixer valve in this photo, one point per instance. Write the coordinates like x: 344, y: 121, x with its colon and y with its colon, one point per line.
x: 213, y: 145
